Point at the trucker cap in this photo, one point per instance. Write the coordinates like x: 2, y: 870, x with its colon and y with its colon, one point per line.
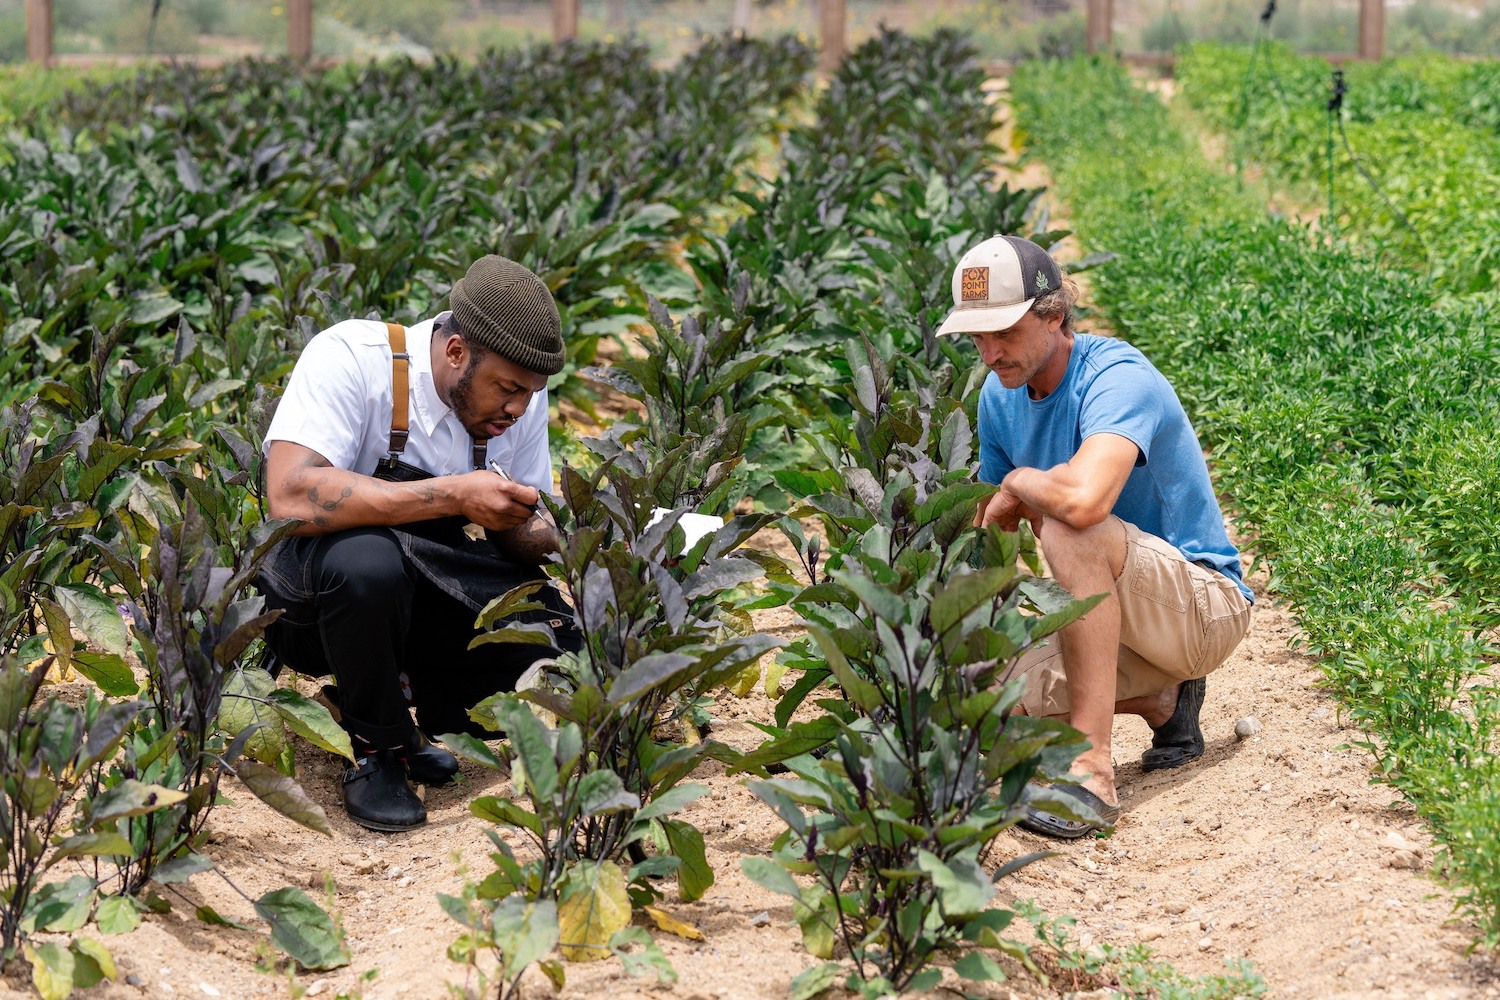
x: 996, y: 282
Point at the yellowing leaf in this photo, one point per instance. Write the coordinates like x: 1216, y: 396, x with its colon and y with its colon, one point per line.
x: 51, y: 970
x: 85, y: 945
x: 592, y: 905
x: 59, y: 637
x: 774, y: 673
x: 742, y: 683
x: 666, y: 922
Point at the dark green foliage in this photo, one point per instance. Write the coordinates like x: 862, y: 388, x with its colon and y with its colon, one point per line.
x: 192, y: 625
x: 254, y: 194
x: 48, y: 752
x: 703, y: 392
x: 660, y: 624
x: 605, y: 772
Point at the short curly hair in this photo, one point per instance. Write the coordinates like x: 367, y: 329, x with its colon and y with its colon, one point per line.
x: 1061, y: 301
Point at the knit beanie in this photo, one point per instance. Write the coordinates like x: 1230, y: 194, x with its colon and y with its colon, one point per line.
x: 505, y: 307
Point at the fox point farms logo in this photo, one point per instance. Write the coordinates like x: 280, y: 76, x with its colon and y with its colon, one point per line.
x: 976, y: 283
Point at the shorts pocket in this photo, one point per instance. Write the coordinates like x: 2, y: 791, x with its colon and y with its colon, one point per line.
x: 1169, y: 589
x: 1225, y: 616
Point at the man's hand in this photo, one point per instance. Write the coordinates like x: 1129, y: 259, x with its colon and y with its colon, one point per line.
x: 495, y: 503
x: 1007, y: 510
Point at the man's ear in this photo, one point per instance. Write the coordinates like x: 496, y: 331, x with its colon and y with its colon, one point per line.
x: 456, y: 350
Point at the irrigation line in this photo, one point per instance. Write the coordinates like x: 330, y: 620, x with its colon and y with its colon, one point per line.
x: 1262, y: 34
x: 1400, y: 216
x: 1336, y: 117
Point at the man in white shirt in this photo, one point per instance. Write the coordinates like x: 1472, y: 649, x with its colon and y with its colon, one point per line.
x: 381, y: 582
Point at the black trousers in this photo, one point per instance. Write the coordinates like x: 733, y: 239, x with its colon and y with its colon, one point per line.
x: 361, y: 611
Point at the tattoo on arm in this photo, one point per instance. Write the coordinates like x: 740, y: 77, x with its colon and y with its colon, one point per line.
x: 329, y: 505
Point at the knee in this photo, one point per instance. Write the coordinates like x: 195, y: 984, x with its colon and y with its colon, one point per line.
x: 1098, y: 545
x: 366, y: 566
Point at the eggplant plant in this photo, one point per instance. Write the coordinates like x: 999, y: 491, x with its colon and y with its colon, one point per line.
x: 48, y: 752
x: 929, y: 759
x: 604, y: 777
x: 192, y: 625
x: 703, y: 392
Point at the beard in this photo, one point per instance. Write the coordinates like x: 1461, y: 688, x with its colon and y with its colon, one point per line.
x: 461, y: 398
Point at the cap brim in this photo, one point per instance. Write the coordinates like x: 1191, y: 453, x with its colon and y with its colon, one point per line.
x: 984, y: 319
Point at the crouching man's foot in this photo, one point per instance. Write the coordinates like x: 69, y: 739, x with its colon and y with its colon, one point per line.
x: 1176, y: 736
x: 428, y: 763
x: 1095, y: 802
x: 377, y: 795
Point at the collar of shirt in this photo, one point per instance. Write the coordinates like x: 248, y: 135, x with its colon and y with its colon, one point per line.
x: 427, y: 406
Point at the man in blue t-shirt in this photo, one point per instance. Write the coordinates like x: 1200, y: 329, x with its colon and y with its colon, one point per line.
x: 1088, y: 442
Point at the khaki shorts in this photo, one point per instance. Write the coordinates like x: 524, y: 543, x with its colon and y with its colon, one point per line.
x: 1178, y: 621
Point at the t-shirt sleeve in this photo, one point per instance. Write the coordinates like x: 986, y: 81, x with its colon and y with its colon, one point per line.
x: 1124, y: 399
x: 994, y: 463
x: 324, y: 405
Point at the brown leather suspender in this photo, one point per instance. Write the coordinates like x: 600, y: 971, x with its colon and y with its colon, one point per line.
x: 401, y: 397
x: 400, y: 388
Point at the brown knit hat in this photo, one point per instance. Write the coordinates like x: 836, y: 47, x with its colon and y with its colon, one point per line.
x: 505, y: 307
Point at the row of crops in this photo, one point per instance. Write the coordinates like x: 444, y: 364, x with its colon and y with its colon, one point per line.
x: 1415, y: 152
x: 1350, y: 401
x: 169, y: 243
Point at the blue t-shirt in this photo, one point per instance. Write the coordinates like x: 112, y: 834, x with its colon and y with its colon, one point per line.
x: 1110, y: 387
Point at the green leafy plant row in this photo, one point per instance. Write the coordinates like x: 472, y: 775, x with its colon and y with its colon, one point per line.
x: 1343, y: 402
x: 260, y: 202
x: 1424, y: 134
x: 167, y: 247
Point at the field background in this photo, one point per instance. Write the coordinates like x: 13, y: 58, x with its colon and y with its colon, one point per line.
x: 1342, y: 420
x: 1000, y: 29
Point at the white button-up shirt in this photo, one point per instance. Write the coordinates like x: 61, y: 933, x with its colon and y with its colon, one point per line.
x: 338, y: 403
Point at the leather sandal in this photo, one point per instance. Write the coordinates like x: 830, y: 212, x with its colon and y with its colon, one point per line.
x: 428, y: 763
x: 377, y: 796
x: 1051, y: 825
x: 1179, y: 739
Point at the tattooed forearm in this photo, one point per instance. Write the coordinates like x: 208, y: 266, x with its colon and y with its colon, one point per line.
x: 328, y: 505
x: 304, y: 486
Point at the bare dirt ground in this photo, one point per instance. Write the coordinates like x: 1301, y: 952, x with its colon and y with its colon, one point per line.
x: 1275, y: 848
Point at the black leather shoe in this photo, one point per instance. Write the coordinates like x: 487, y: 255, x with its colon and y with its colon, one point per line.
x: 376, y: 795
x: 1180, y: 739
x: 428, y: 763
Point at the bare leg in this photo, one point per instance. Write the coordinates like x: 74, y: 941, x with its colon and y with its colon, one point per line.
x: 1088, y: 561
x: 1156, y: 708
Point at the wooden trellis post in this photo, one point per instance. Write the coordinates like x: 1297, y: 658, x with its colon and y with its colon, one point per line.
x: 564, y: 19
x: 1371, y: 29
x: 831, y: 34
x: 1100, y: 31
x: 39, y: 31
x: 299, y: 30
